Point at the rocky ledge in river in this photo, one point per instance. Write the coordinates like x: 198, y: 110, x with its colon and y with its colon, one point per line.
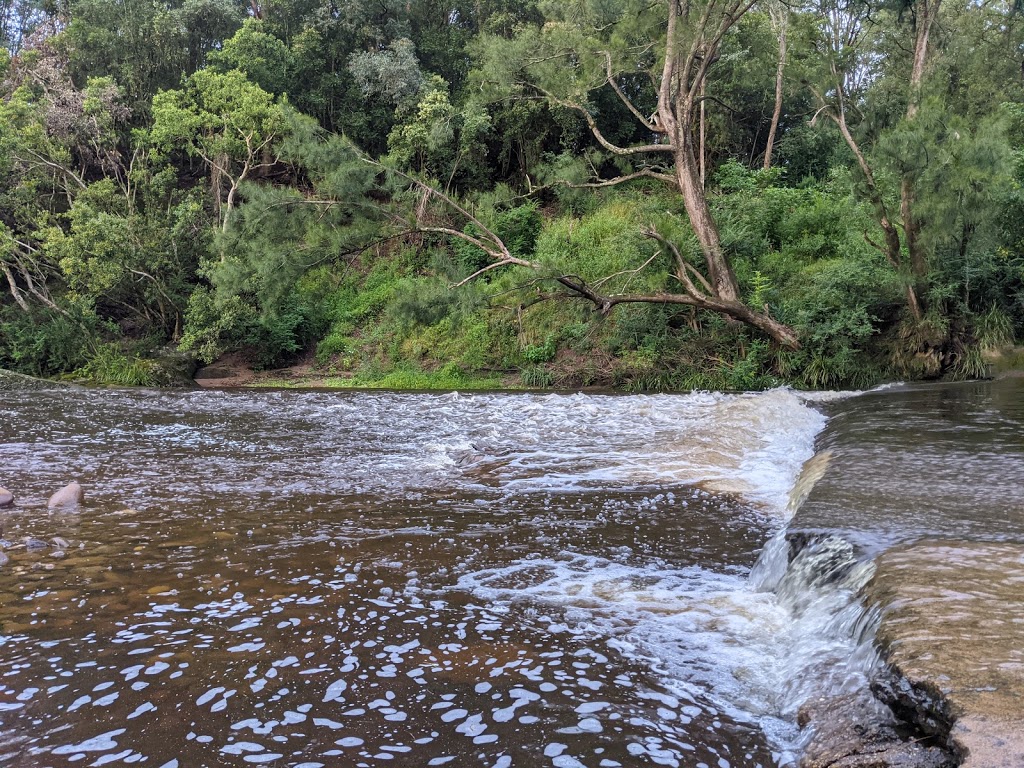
x: 952, y: 633
x: 951, y: 692
x: 16, y: 382
x: 855, y: 730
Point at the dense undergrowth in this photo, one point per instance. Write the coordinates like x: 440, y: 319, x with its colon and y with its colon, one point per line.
x: 392, y: 318
x: 288, y: 184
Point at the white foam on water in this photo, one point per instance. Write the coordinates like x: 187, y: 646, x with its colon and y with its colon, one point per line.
x: 751, y: 444
x: 708, y: 636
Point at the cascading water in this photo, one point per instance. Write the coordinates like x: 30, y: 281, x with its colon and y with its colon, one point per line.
x: 365, y: 579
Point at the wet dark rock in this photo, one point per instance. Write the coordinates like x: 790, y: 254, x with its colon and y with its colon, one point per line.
x: 857, y: 731
x: 175, y: 369
x: 4, y: 559
x: 70, y: 495
x: 32, y: 543
x: 6, y: 498
x: 820, y: 559
x: 920, y: 704
x: 798, y: 541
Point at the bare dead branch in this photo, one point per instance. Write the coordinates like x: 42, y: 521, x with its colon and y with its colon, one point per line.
x: 645, y: 173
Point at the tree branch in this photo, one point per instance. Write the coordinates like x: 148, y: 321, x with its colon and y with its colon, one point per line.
x: 596, y: 131
x: 626, y: 101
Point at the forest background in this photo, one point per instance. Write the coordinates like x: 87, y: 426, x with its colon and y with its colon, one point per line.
x: 707, y: 194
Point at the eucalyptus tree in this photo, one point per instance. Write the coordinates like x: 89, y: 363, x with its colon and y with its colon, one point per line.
x: 778, y: 12
x: 656, y: 58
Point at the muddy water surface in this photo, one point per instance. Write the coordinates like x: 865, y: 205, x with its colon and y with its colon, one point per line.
x: 323, y: 579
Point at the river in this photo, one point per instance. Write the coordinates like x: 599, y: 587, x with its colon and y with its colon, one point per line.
x: 362, y: 579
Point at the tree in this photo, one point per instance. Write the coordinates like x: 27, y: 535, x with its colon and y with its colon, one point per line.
x: 778, y: 12
x: 146, y: 46
x: 263, y: 58
x: 656, y: 59
x: 439, y: 141
x: 845, y: 56
x: 53, y: 138
x: 230, y: 123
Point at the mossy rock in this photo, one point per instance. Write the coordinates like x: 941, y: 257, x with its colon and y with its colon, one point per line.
x: 19, y: 382
x: 174, y: 369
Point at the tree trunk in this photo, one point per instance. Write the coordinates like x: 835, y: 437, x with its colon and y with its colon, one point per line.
x: 926, y: 12
x: 783, y: 23
x: 703, y: 138
x: 720, y: 273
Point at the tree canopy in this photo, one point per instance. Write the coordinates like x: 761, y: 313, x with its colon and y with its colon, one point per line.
x: 718, y: 193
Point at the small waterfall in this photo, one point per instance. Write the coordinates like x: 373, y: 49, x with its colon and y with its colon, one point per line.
x: 817, y: 578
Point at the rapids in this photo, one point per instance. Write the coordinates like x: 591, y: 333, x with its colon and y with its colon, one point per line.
x: 361, y: 579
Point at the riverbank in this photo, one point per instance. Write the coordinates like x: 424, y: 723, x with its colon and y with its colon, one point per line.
x: 235, y: 371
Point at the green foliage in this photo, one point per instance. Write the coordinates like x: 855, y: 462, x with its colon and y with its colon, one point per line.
x: 994, y: 329
x: 110, y: 365
x: 262, y: 58
x: 518, y: 227
x: 181, y: 172
x: 228, y: 122
x: 535, y: 377
x: 216, y: 114
x: 145, y: 46
x: 211, y: 328
x: 448, y: 378
x: 440, y: 140
x: 542, y: 353
x: 605, y: 242
x: 47, y: 343
x: 393, y: 74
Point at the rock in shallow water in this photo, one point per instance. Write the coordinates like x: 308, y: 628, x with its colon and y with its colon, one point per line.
x: 856, y: 731
x: 70, y: 495
x: 6, y: 498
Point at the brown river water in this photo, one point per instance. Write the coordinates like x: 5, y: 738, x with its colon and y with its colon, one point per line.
x: 381, y: 579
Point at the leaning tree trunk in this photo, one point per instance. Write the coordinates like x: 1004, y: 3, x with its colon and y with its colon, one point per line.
x: 780, y: 20
x: 687, y: 172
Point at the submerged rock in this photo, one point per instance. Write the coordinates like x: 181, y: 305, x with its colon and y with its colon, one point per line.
x: 70, y: 495
x: 6, y: 498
